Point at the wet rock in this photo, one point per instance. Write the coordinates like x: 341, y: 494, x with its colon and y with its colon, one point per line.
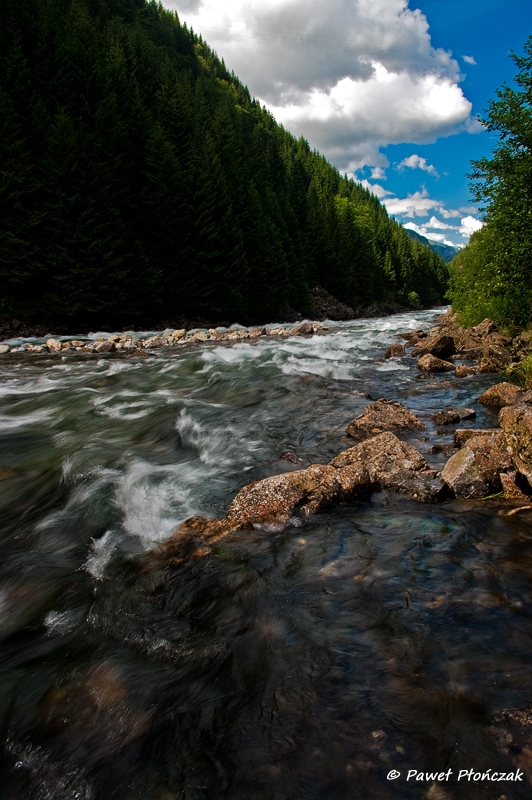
x: 462, y: 435
x: 412, y: 335
x: 516, y: 424
x: 303, y: 330
x: 453, y: 415
x: 384, y: 415
x: 391, y: 464
x: 138, y: 353
x: 254, y: 333
x: 155, y: 341
x: 270, y: 503
x: 287, y: 456
x: 395, y: 351
x: 501, y: 394
x: 104, y: 347
x: 446, y: 449
x: 463, y: 476
x: 475, y: 470
x: 4, y: 348
x: 430, y: 363
x: 463, y: 371
x: 440, y: 345
x: 512, y: 732
x: 53, y: 345
x: 178, y: 334
x: 511, y: 489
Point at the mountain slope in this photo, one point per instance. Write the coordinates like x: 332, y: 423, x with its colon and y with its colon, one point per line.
x: 447, y: 252
x: 140, y: 180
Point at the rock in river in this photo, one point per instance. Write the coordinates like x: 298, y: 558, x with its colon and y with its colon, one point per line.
x: 430, y: 363
x: 384, y: 415
x: 516, y: 423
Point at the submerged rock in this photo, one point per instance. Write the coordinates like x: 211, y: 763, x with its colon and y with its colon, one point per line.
x: 453, y: 415
x: 384, y: 415
x: 463, y: 371
x: 395, y: 350
x: 430, y: 363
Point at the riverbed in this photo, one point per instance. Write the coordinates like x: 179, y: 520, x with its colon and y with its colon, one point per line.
x: 305, y: 663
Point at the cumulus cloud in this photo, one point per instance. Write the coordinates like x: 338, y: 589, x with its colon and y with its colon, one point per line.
x: 469, y: 225
x: 417, y: 162
x: 469, y: 60
x: 348, y: 75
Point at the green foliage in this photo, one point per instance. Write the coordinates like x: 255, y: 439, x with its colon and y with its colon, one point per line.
x: 139, y: 179
x: 493, y: 275
x: 521, y: 373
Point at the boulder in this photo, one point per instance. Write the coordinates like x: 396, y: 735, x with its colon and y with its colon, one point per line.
x: 494, y: 361
x: 384, y: 415
x: 485, y: 327
x: 453, y: 415
x: 440, y: 345
x: 390, y: 464
x: 463, y: 371
x: 462, y: 435
x: 475, y: 470
x: 510, y: 488
x: 516, y: 424
x: 395, y: 350
x: 178, y: 334
x: 53, y: 345
x: 306, y: 329
x: 270, y: 503
x: 254, y: 333
x: 501, y: 394
x: 104, y: 347
x: 430, y: 363
x: 4, y: 348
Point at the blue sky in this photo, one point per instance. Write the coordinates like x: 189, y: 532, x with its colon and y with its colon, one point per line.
x: 388, y: 90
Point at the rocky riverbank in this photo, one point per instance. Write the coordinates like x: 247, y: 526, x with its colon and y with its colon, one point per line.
x: 482, y: 462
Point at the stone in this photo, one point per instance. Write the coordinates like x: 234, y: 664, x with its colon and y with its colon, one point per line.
x: 453, y: 415
x: 501, y: 394
x: 254, y: 333
x: 384, y: 415
x: 77, y: 343
x: 462, y: 435
x: 178, y: 334
x: 306, y: 329
x: 475, y: 470
x: 463, y: 371
x: 439, y: 345
x: 269, y: 503
x: 485, y: 327
x: 53, y: 345
x: 494, y: 362
x: 157, y: 341
x: 277, y: 332
x: 395, y: 350
x: 516, y: 424
x: 430, y: 363
x: 104, y: 347
x: 411, y: 334
x: 510, y: 488
x: 462, y: 475
x: 390, y: 464
x: 4, y: 348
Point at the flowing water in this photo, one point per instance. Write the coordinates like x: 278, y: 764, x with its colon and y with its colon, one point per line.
x: 305, y: 663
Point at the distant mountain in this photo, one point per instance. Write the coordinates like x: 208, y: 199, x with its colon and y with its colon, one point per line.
x: 444, y: 250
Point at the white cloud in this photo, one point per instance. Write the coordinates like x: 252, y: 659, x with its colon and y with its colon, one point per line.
x: 348, y: 75
x: 417, y: 162
x: 417, y: 204
x: 378, y: 174
x: 375, y: 188
x: 434, y: 237
x: 469, y: 60
x: 469, y: 225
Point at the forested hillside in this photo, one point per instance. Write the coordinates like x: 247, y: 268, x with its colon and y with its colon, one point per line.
x: 140, y: 180
x: 492, y: 276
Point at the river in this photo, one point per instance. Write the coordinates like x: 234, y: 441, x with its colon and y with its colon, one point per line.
x: 304, y: 663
